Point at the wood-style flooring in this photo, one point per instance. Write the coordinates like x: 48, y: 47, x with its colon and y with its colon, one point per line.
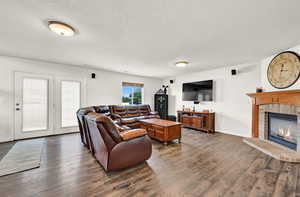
x: 202, y: 165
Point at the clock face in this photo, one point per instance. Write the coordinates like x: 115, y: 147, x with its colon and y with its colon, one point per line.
x: 284, y: 70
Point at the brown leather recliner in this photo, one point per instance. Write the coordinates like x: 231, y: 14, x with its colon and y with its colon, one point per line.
x: 85, y: 138
x: 116, y: 150
x: 84, y: 130
x: 130, y: 115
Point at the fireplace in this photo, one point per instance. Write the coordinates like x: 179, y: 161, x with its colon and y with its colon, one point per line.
x: 282, y: 129
x: 276, y: 124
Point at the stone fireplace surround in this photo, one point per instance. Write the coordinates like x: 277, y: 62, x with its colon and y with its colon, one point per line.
x: 284, y: 102
x: 276, y: 108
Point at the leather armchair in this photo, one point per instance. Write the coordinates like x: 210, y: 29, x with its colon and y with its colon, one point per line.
x: 116, y: 150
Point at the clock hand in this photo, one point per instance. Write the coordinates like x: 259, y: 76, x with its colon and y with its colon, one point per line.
x: 282, y: 65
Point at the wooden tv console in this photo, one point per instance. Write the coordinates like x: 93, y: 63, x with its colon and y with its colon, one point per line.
x: 197, y: 120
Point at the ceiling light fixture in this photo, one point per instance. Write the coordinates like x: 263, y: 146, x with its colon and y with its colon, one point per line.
x: 61, y: 28
x: 181, y: 64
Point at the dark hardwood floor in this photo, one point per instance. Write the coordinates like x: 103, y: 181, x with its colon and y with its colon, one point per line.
x: 202, y: 165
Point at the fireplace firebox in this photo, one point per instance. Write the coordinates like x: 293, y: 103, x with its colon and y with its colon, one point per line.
x: 282, y: 129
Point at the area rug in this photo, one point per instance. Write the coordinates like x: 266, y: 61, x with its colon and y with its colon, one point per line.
x: 24, y: 155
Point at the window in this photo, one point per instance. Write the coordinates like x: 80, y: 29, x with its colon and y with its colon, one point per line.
x: 132, y: 93
x: 70, y: 102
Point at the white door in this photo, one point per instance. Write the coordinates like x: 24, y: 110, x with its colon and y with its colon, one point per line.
x: 69, y: 99
x: 33, y: 105
x: 45, y: 105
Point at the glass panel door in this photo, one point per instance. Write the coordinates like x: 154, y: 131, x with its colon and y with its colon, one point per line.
x: 35, y: 105
x: 70, y: 103
x: 34, y: 109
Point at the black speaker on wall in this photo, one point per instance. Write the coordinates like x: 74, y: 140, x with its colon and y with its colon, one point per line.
x: 233, y: 72
x: 171, y: 81
x: 93, y: 75
x: 161, y: 105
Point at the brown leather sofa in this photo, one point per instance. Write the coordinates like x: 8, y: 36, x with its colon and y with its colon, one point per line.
x: 83, y: 128
x: 130, y: 115
x: 113, y: 149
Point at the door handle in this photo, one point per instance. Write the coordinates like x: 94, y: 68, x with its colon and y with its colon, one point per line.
x: 17, y: 109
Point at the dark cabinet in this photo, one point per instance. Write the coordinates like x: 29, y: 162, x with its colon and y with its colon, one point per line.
x: 161, y: 105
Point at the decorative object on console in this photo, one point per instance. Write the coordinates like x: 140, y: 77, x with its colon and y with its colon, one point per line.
x: 187, y: 109
x: 205, y: 111
x: 165, y: 89
x: 161, y: 105
x: 258, y: 90
x: 160, y: 91
x: 197, y: 120
x: 284, y: 70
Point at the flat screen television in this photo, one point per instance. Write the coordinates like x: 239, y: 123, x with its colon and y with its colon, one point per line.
x: 198, y: 91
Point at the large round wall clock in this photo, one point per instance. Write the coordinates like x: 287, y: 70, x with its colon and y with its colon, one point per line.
x: 284, y: 70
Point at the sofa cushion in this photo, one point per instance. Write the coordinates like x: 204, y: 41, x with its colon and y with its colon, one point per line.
x: 128, y: 120
x: 119, y: 110
x: 144, y: 110
x: 132, y: 111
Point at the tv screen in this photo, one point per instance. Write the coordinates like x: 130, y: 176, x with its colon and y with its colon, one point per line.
x: 198, y: 91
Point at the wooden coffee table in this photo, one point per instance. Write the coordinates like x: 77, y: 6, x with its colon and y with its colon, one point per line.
x: 162, y: 130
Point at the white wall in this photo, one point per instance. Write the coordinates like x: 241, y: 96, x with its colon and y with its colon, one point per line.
x: 232, y: 106
x: 105, y: 89
x: 264, y: 68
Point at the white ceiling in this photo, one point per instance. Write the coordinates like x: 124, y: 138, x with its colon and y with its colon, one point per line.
x: 146, y: 37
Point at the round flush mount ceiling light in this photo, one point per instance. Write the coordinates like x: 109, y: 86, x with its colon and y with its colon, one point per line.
x: 181, y: 64
x: 61, y: 28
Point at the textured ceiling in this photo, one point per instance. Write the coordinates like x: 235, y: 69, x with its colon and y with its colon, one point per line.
x: 146, y: 37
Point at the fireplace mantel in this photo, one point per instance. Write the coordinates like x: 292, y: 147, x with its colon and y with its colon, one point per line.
x: 289, y: 97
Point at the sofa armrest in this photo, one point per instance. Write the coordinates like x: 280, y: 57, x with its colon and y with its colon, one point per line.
x: 130, y: 152
x: 130, y: 134
x: 153, y: 113
x: 122, y: 128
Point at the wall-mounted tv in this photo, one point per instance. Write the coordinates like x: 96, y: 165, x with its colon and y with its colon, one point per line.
x: 198, y: 91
